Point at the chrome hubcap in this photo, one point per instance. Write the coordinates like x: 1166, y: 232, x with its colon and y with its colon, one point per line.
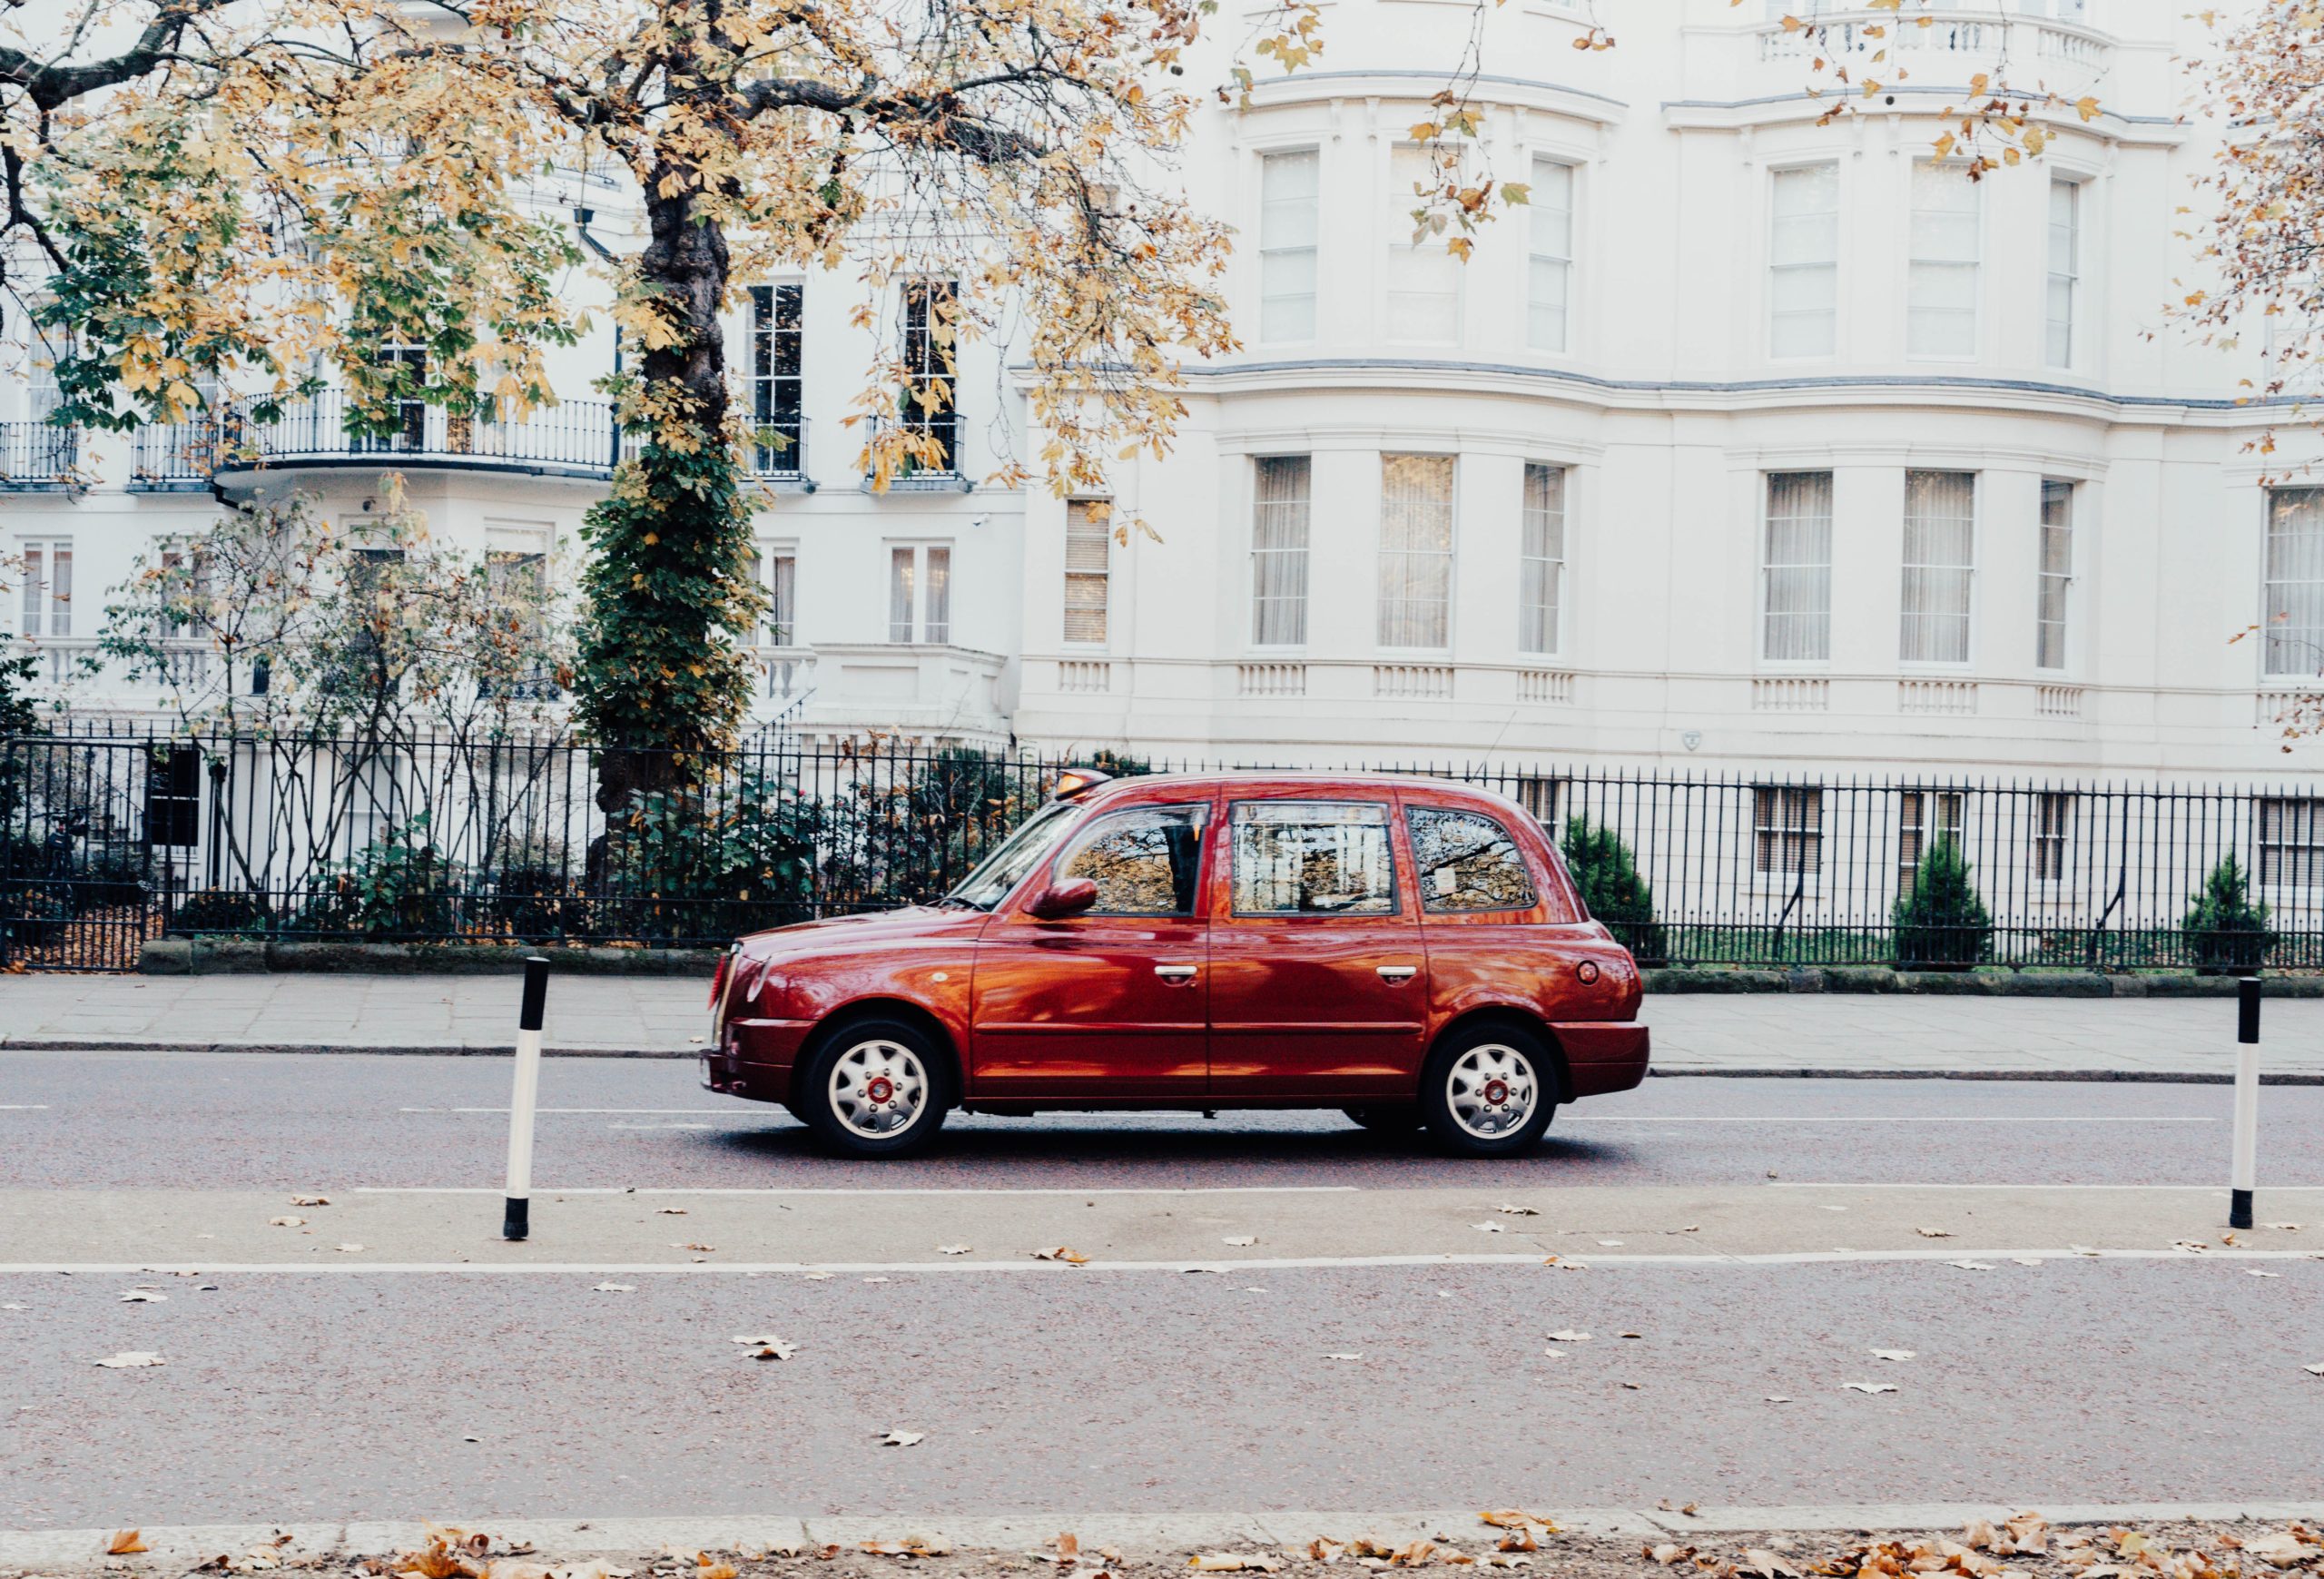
x: 1492, y: 1090
x: 878, y: 1087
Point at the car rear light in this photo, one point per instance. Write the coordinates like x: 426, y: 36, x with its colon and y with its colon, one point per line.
x: 718, y: 982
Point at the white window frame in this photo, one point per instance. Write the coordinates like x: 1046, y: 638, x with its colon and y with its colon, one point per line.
x: 2067, y: 277
x: 1554, y: 253
x: 1449, y: 554
x: 1292, y: 566
x: 1787, y: 837
x: 2054, y: 582
x: 1104, y: 528
x: 1906, y: 566
x: 926, y: 606
x: 1974, y: 266
x: 42, y: 613
x: 1776, y: 268
x: 2288, y: 843
x: 1274, y: 326
x: 2300, y: 657
x: 1400, y: 246
x: 1541, y: 621
x: 1767, y: 612
x: 766, y: 557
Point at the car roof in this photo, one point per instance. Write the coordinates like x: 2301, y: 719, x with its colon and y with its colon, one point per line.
x: 1142, y: 787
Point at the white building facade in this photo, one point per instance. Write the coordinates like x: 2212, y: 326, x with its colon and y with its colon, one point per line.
x: 1747, y: 442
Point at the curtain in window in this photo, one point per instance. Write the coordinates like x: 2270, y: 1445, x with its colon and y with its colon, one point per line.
x: 1541, y: 571
x: 783, y: 600
x: 2295, y: 590
x: 1415, y: 550
x: 1940, y: 532
x: 1795, y: 577
x: 901, y: 579
x: 936, y: 622
x: 1279, y: 551
x: 2057, y: 575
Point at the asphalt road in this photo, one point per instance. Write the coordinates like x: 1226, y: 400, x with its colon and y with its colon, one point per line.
x: 287, y: 1398
x: 80, y: 1120
x: 348, y: 1390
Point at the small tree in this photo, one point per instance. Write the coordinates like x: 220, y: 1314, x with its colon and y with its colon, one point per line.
x: 1605, y: 872
x: 1940, y: 922
x: 2225, y: 930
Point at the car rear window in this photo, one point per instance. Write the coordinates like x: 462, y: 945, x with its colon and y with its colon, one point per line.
x: 1467, y: 860
x: 1312, y: 858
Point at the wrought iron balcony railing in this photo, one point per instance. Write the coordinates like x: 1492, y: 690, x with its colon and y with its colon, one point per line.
x: 36, y: 455
x: 577, y: 437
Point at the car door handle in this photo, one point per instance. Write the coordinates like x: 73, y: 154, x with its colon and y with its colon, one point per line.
x: 1177, y: 976
x: 1396, y: 974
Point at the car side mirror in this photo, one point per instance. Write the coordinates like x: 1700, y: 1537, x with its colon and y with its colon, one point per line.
x: 1060, y: 899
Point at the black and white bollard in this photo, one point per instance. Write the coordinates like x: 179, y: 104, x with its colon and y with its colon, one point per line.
x: 517, y: 1222
x: 2247, y: 1102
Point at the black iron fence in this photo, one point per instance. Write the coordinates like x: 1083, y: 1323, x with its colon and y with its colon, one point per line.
x: 108, y: 839
x: 580, y: 436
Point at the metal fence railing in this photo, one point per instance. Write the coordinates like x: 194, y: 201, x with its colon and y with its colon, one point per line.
x: 109, y: 838
x: 580, y: 436
x: 37, y: 455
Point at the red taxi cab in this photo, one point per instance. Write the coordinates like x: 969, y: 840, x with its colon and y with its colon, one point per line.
x: 1410, y: 951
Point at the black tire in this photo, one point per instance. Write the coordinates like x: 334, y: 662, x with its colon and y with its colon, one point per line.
x: 1450, y: 1088
x: 1392, y: 1120
x: 873, y: 1050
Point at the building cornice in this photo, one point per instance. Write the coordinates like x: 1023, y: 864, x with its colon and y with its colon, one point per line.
x: 1525, y: 93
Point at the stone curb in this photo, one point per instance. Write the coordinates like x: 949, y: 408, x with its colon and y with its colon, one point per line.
x: 559, y: 1538
x: 232, y: 957
x: 1881, y: 980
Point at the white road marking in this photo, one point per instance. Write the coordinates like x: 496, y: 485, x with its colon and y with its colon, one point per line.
x: 698, y: 1112
x: 1843, y: 1184
x: 540, y: 1189
x: 23, y: 1106
x: 1886, y: 1119
x: 1065, y: 1270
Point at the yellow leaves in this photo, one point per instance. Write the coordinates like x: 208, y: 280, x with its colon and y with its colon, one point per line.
x: 1424, y: 131
x: 1942, y: 145
x: 1978, y: 83
x: 124, y: 1543
x: 2086, y: 107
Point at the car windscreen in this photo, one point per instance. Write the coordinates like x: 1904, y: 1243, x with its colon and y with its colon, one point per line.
x: 1023, y: 851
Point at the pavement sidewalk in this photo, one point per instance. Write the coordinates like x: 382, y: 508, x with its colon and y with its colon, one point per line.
x: 650, y: 1016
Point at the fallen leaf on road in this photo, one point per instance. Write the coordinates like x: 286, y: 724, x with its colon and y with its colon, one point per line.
x: 1508, y: 1210
x: 1233, y: 1563
x: 1498, y: 1561
x: 1320, y: 1550
x: 1934, y: 1233
x: 615, y: 1289
x: 1553, y: 1354
x: 2255, y: 1272
x: 2025, y: 1261
x: 910, y: 1546
x: 1667, y: 1552
x: 1633, y: 1335
x: 285, y: 1222
x: 1611, y: 1244
x: 675, y: 1246
x: 1567, y: 1335
x: 15, y: 1306
x: 2278, y: 1549
x: 953, y: 1250
x: 1760, y: 1561
x: 2193, y: 1247
x: 124, y: 1543
x: 310, y: 1200
x: 771, y: 1346
x: 1632, y: 1386
x: 1242, y: 1239
x: 818, y: 1276
x: 670, y: 1211
x: 349, y: 1250
x: 2314, y: 1370
x: 1061, y: 1253
x: 129, y: 1361
x: 1520, y: 1541
x: 143, y: 1296
x: 902, y: 1438
x: 1972, y: 1266
x: 1505, y: 1519
x: 876, y: 1280
x: 1343, y: 1356
x: 2285, y: 1227
x: 1777, y: 1398
x: 1870, y: 1386
x: 1893, y: 1353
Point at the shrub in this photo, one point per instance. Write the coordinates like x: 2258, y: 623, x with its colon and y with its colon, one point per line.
x: 2224, y: 929
x: 219, y: 910
x: 1940, y: 922
x: 1607, y: 875
x: 398, y: 885
x: 681, y: 867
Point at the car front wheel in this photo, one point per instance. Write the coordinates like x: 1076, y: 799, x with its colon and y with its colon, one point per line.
x: 1489, y: 1091
x: 875, y: 1088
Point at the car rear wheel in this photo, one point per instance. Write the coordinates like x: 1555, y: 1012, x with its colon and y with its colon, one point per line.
x: 1386, y: 1120
x: 1489, y: 1091
x: 875, y: 1088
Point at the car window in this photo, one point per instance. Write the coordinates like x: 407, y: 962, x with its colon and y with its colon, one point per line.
x: 1467, y: 860
x: 1145, y: 861
x: 1312, y: 858
x: 1023, y: 851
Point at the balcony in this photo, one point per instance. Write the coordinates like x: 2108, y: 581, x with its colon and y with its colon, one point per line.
x: 576, y: 439
x: 779, y: 454
x: 1772, y: 67
x: 175, y: 457
x: 918, y: 476
x: 35, y: 457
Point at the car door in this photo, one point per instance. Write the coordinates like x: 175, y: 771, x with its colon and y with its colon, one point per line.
x: 1318, y: 984
x: 1111, y: 1004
